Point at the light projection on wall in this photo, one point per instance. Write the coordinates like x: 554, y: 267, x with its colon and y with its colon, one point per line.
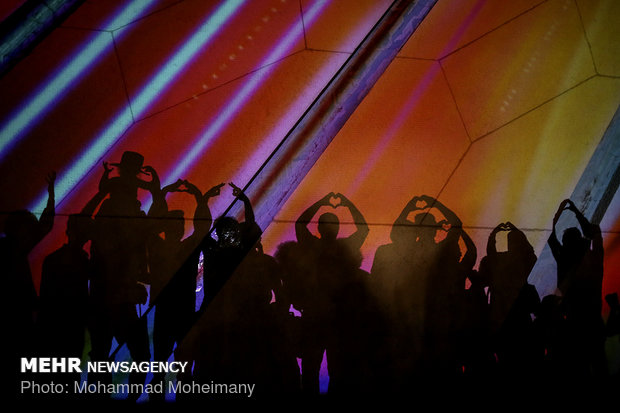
x: 455, y: 116
x: 152, y: 88
x: 68, y: 75
x: 241, y: 97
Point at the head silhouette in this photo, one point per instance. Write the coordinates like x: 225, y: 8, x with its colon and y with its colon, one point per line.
x: 228, y: 232
x: 422, y: 229
x: 425, y: 227
x: 329, y: 225
x: 517, y: 241
x: 573, y: 241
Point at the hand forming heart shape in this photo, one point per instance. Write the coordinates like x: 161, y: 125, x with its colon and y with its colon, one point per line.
x: 335, y: 201
x: 421, y: 204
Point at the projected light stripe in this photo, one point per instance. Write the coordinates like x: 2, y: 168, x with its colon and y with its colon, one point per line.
x: 263, y: 151
x: 57, y: 86
x: 184, y: 56
x: 412, y: 101
x: 202, y: 143
x: 265, y: 147
x: 156, y: 85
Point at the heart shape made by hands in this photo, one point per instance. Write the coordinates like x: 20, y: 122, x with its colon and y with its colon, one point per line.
x: 335, y: 201
x: 505, y: 227
x: 181, y: 187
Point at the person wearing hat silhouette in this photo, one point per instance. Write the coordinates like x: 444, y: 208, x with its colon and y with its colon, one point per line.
x: 119, y: 235
x: 123, y: 189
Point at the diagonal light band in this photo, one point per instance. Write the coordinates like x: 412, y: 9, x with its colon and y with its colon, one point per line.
x: 228, y: 112
x: 265, y: 148
x: 64, y: 79
x: 124, y: 118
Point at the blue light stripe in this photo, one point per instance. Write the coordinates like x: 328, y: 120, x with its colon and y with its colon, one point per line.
x: 156, y: 85
x: 57, y: 85
x: 200, y: 144
x: 182, y: 58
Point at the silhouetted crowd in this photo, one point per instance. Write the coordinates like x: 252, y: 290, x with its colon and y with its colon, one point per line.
x: 422, y: 315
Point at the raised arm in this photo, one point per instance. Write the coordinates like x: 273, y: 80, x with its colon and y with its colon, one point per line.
x: 359, y: 236
x: 91, y: 205
x: 401, y: 222
x: 247, y: 205
x: 46, y: 222
x: 455, y: 223
x: 301, y: 226
x: 105, y: 178
x: 590, y: 231
x: 553, y: 241
x: 411, y: 206
x: 203, y: 219
x: 154, y: 184
x: 491, y: 243
x: 451, y: 217
x: 586, y: 227
x: 159, y: 207
x: 469, y: 260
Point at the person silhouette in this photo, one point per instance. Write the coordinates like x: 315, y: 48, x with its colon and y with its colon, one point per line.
x: 506, y: 272
x: 579, y: 261
x: 399, y: 276
x: 551, y: 331
x: 246, y: 323
x: 422, y: 276
x: 446, y: 312
x: 334, y: 268
x: 234, y: 241
x: 240, y: 336
x: 123, y: 189
x: 22, y: 232
x: 512, y: 301
x: 474, y: 354
x: 297, y: 290
x: 174, y: 268
x: 63, y: 315
x: 119, y: 237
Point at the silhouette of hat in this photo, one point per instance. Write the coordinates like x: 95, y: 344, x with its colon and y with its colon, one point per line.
x: 131, y: 162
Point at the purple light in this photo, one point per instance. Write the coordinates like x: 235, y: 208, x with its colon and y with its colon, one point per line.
x: 124, y: 118
x: 273, y: 137
x: 412, y: 102
x: 64, y: 78
x: 206, y: 138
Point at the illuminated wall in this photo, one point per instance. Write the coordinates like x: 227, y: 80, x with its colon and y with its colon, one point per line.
x: 205, y: 90
x: 493, y: 107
